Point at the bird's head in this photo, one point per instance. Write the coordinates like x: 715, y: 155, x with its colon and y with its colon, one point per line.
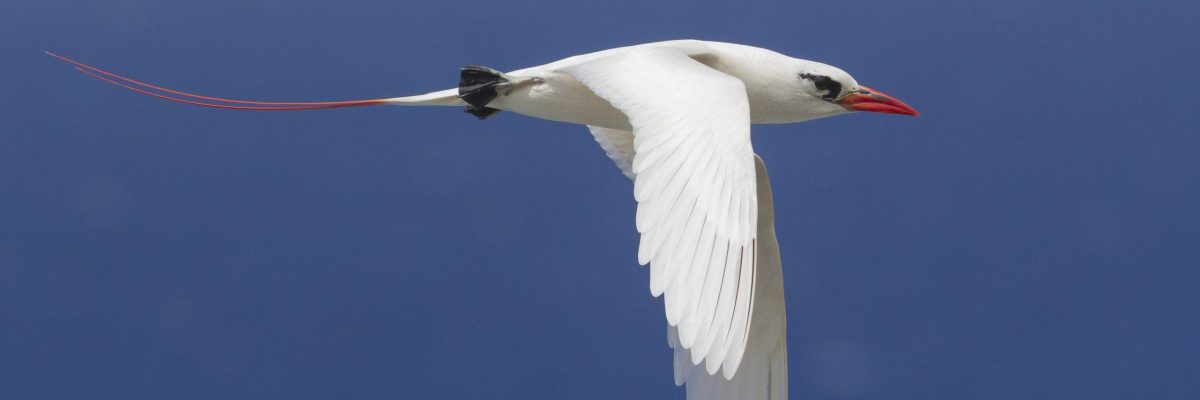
x: 825, y: 90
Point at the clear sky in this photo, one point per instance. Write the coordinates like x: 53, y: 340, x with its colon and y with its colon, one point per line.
x: 1035, y: 234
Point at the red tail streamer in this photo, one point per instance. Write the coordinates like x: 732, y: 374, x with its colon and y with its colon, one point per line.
x: 208, y: 101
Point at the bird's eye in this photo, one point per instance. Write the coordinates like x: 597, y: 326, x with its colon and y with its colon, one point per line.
x: 823, y: 83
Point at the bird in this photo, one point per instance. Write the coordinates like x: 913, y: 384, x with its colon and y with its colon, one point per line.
x: 675, y: 117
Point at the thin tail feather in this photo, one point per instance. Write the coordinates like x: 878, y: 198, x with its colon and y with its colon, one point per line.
x: 436, y: 98
x: 227, y: 106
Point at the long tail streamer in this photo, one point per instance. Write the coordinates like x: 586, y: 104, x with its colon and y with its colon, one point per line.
x: 208, y: 101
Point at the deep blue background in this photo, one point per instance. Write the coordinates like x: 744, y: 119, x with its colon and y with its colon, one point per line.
x: 1034, y: 235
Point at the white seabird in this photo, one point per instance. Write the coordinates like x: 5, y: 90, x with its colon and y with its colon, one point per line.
x: 675, y: 118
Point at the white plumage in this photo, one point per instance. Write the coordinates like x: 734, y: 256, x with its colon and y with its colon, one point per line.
x: 675, y: 118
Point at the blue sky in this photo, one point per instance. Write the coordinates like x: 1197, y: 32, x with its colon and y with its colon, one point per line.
x: 1034, y: 234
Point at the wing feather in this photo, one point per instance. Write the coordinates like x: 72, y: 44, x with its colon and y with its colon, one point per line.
x: 762, y: 374
x: 617, y: 145
x: 690, y: 157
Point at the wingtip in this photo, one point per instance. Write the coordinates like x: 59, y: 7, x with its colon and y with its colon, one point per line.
x: 711, y: 367
x: 728, y: 372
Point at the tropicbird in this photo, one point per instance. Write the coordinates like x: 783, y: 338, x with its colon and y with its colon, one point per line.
x: 675, y: 117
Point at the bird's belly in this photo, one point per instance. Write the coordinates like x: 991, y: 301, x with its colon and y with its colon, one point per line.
x: 558, y: 96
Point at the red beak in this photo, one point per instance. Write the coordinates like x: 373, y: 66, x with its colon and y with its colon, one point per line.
x: 873, y: 100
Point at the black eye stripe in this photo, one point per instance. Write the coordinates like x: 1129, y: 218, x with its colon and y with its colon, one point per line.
x: 825, y: 84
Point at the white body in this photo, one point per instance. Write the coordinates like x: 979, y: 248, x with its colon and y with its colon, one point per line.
x: 675, y: 117
x: 555, y: 95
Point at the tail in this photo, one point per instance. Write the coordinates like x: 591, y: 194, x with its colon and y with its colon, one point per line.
x: 447, y: 97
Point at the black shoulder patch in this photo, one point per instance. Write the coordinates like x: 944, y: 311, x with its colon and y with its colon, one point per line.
x: 832, y: 88
x: 481, y: 113
x: 477, y: 87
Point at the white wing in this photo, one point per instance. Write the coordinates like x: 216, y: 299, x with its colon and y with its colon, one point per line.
x: 763, y: 374
x: 618, y: 145
x: 694, y: 182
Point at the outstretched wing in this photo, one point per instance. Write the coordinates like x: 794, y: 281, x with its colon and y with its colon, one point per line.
x: 694, y: 181
x: 763, y: 373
